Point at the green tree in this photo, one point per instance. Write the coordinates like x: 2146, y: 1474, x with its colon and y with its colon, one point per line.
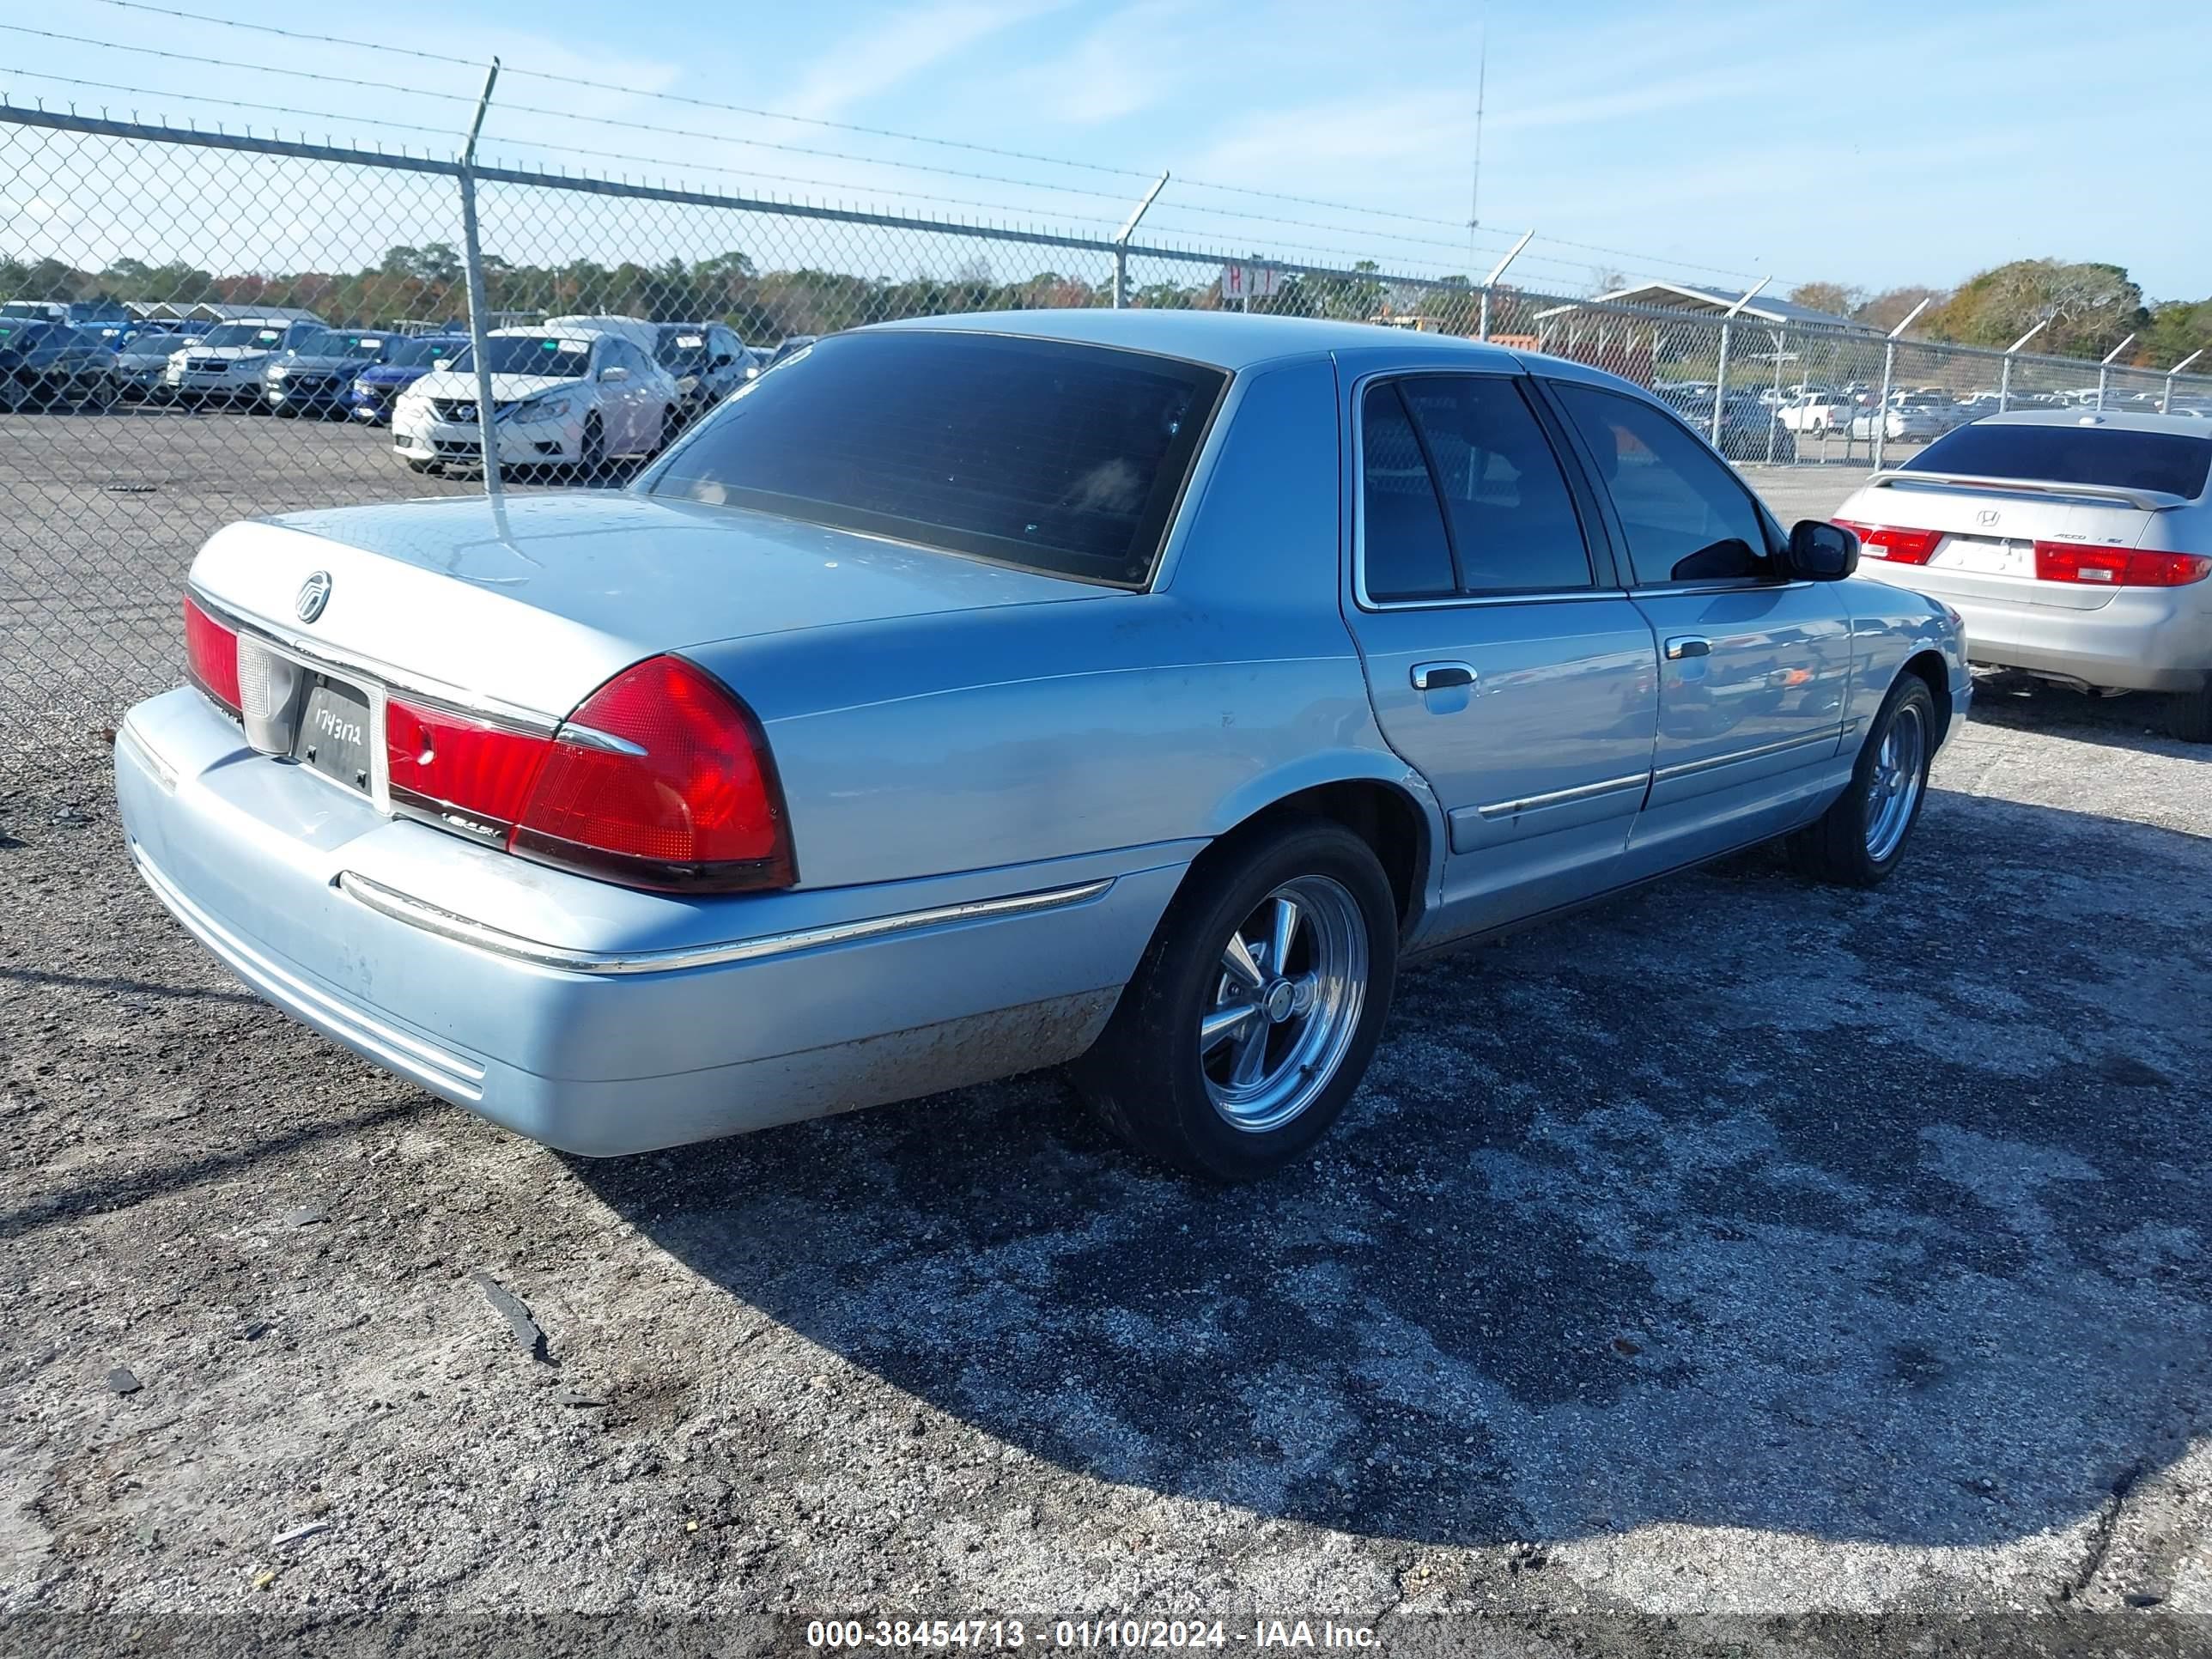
x: 2177, y: 327
x: 2090, y: 307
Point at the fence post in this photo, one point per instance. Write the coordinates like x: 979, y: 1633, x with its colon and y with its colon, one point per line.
x: 1774, y: 415
x: 2165, y: 398
x: 2005, y: 375
x: 1122, y: 243
x: 1720, y: 372
x: 2105, y: 366
x: 1889, y: 368
x: 1482, y: 325
x: 487, y: 425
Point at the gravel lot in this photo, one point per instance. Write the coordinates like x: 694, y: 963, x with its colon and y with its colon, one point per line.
x: 1736, y: 1248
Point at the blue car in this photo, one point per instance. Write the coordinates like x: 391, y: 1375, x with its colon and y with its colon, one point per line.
x: 377, y: 388
x: 972, y: 695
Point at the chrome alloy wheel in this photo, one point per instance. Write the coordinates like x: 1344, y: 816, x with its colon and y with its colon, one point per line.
x: 1286, y: 1004
x: 1894, y: 789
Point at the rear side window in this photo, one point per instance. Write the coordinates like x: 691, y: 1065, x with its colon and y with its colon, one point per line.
x: 2172, y: 462
x: 1676, y: 497
x: 1061, y: 457
x: 1513, y: 524
x: 1403, y: 546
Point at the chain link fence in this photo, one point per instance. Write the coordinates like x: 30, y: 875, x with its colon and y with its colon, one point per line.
x: 200, y: 327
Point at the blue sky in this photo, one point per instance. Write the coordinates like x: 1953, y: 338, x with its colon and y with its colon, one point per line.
x: 1873, y: 143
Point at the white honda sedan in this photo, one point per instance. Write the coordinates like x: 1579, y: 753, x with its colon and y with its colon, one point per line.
x: 568, y: 395
x: 2078, y: 546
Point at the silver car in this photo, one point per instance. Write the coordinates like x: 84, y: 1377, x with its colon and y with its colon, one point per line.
x: 2077, y: 545
x: 1133, y: 689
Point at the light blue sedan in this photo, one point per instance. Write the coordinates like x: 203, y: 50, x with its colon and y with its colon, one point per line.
x: 1136, y: 690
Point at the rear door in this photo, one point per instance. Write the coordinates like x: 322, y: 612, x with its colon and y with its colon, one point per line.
x: 1504, y: 660
x: 1753, y: 671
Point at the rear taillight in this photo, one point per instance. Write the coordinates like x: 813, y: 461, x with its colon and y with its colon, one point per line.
x: 2117, y: 567
x: 1883, y: 541
x: 211, y: 656
x: 661, y: 778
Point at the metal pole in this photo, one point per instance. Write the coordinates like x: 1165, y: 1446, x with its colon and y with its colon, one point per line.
x: 1720, y: 373
x: 2165, y: 402
x: 1888, y: 367
x: 487, y: 427
x: 1774, y: 415
x: 2103, y: 367
x: 1482, y: 324
x: 1122, y: 243
x: 2004, y: 375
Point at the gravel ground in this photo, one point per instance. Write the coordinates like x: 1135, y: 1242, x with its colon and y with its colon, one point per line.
x: 1851, y: 1261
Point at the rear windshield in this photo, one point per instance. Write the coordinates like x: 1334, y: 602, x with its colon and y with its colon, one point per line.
x: 2110, y: 456
x: 1059, y: 458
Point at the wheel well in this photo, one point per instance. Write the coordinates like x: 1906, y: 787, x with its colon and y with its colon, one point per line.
x: 1928, y: 664
x: 1385, y: 817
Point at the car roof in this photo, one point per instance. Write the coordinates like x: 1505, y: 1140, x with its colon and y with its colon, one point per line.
x: 2117, y: 420
x: 1224, y: 339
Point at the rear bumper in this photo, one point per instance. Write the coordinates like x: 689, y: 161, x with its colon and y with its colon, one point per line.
x: 2142, y: 639
x: 600, y: 1020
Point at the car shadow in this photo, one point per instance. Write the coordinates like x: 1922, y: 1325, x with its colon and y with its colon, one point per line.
x: 2136, y: 720
x: 1738, y: 1202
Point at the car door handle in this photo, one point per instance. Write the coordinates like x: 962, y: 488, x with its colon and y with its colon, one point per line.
x: 1688, y: 644
x: 1442, y: 676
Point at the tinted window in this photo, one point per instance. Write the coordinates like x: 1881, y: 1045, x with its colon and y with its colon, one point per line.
x: 2171, y: 462
x: 1513, y: 524
x: 1054, y: 456
x: 563, y: 357
x: 1676, y: 497
x: 1401, y: 527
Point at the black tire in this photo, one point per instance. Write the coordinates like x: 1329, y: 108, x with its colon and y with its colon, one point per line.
x: 1842, y: 846
x: 415, y: 465
x: 591, y: 452
x: 2189, y: 714
x: 1146, y: 1077
x: 671, y: 426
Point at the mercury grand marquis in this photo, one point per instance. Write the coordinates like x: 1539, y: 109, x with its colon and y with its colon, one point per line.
x: 1128, y: 689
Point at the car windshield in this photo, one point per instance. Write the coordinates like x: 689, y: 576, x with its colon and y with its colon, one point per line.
x: 562, y: 357
x: 2170, y: 462
x: 243, y: 334
x: 682, y: 348
x: 1051, y: 456
x: 15, y: 332
x: 362, y: 347
x: 421, y: 353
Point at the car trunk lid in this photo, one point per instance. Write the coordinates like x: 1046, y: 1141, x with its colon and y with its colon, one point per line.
x: 528, y: 604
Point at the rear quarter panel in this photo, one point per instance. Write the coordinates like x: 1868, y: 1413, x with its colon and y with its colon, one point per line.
x: 979, y: 738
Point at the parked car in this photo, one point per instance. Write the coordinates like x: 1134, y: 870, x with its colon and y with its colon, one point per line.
x: 868, y: 745
x: 2077, y: 547
x: 568, y: 394
x: 142, y: 361
x: 378, y: 387
x: 1817, y: 412
x: 44, y: 364
x: 1750, y: 430
x: 707, y: 362
x: 226, y: 365
x: 315, y: 375
x: 1899, y: 423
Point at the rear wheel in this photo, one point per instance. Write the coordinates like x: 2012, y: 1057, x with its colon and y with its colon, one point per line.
x: 1254, y: 1011
x: 2189, y: 716
x: 1859, y: 840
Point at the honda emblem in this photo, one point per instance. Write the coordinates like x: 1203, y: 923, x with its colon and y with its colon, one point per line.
x: 1987, y: 515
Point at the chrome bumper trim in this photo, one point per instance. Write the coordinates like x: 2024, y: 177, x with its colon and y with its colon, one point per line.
x: 464, y: 930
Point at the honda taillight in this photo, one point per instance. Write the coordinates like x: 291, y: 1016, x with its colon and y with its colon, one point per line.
x: 1883, y: 541
x: 661, y: 778
x: 211, y: 656
x: 2117, y: 567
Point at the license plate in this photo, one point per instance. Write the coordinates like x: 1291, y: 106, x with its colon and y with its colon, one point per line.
x: 1986, y: 558
x: 334, y: 732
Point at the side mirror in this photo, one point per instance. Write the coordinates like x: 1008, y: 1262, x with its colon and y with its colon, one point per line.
x: 1822, y: 552
x: 612, y: 374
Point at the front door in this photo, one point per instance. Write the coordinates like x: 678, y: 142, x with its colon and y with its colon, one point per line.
x: 1753, y: 670
x: 1503, y: 662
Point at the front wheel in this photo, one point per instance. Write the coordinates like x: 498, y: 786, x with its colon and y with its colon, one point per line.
x: 1860, y: 839
x: 591, y: 452
x: 1256, y: 1007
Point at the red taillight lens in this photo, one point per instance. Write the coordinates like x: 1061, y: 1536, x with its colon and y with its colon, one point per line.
x: 2117, y: 567
x: 661, y: 778
x: 454, y: 763
x: 211, y: 655
x: 1882, y: 541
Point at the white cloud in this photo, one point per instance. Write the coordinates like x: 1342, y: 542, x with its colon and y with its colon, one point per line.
x: 880, y: 56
